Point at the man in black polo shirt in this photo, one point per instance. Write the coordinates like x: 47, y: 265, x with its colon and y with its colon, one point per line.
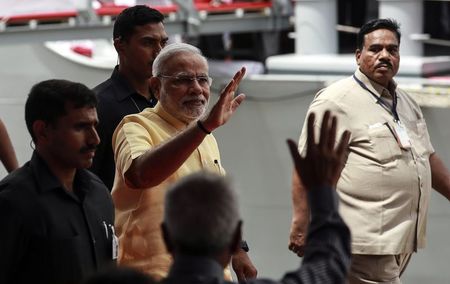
x: 139, y: 35
x: 56, y: 217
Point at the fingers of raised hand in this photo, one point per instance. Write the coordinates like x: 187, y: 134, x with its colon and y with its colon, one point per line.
x: 234, y: 83
x: 311, y: 139
x: 296, y: 158
x: 294, y: 151
x: 342, y: 148
x: 238, y: 77
x: 237, y: 101
x: 332, y: 133
x: 325, y: 131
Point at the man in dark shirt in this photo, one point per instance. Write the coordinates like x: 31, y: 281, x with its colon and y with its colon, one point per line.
x: 138, y: 36
x: 56, y: 217
x: 202, y: 227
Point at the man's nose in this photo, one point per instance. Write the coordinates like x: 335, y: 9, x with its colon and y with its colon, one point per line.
x: 384, y: 53
x: 195, y: 84
x: 158, y: 48
x: 94, y: 139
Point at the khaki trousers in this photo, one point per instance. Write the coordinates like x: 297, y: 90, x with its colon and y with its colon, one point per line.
x: 373, y: 269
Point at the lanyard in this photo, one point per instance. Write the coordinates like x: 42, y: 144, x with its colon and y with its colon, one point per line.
x: 392, y: 110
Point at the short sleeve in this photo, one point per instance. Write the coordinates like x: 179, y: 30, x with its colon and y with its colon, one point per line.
x: 130, y: 140
x: 319, y: 106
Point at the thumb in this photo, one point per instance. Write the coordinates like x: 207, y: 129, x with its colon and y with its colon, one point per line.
x: 237, y: 101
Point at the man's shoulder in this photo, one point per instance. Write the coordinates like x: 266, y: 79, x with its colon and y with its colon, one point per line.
x: 339, y: 88
x: 104, y: 89
x: 403, y: 94
x: 339, y: 94
x: 148, y: 115
x: 19, y: 179
x: 110, y: 107
x: 19, y: 187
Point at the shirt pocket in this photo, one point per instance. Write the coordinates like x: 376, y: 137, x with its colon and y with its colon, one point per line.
x: 213, y: 166
x: 384, y: 144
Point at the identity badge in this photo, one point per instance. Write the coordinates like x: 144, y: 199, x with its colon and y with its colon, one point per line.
x: 402, y: 136
x: 115, y: 247
x: 115, y: 243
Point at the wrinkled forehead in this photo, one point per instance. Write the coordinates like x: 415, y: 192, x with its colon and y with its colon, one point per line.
x: 186, y: 62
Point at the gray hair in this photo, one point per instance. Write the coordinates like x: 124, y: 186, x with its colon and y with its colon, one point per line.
x: 201, y: 213
x: 171, y: 50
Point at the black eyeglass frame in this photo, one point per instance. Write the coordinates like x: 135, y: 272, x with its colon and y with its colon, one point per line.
x: 187, y: 80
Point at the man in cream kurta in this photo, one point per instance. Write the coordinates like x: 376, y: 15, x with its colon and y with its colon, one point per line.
x: 156, y: 147
x: 139, y: 213
x: 385, y: 186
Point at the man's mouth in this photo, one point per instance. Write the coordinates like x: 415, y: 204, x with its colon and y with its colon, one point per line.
x: 194, y: 102
x: 89, y: 151
x: 384, y: 66
x: 91, y: 154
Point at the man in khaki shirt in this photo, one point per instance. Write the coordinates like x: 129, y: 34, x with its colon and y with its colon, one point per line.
x: 158, y: 146
x: 385, y: 186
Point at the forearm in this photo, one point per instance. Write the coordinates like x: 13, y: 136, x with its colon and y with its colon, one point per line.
x: 7, y: 154
x: 300, y: 212
x: 327, y: 249
x: 440, y: 176
x: 159, y: 163
x: 243, y: 266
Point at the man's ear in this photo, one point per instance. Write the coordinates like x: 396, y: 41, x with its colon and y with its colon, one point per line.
x: 40, y: 130
x: 235, y: 245
x: 358, y: 56
x: 166, y: 237
x: 119, y: 45
x: 155, y: 87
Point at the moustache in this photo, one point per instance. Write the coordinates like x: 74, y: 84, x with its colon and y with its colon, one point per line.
x: 388, y: 64
x: 88, y: 148
x: 192, y: 98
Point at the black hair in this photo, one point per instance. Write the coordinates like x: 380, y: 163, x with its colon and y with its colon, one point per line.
x: 376, y: 24
x: 131, y: 17
x: 47, y: 101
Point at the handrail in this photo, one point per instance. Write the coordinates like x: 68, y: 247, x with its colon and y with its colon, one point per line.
x: 183, y: 17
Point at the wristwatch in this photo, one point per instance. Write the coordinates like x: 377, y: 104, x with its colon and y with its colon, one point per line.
x: 244, y: 246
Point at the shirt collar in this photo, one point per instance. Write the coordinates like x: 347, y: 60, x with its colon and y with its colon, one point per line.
x: 199, y: 266
x: 44, y: 177
x: 124, y: 89
x: 376, y: 88
x: 47, y: 181
x: 175, y: 122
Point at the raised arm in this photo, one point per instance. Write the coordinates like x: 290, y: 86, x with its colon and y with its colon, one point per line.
x: 157, y: 164
x: 327, y: 250
x: 7, y: 154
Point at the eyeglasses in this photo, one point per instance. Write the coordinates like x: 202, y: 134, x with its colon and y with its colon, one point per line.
x: 186, y: 80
